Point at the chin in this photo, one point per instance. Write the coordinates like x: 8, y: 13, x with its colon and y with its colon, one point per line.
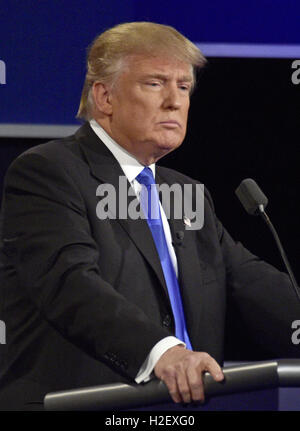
x: 169, y: 145
x: 165, y: 148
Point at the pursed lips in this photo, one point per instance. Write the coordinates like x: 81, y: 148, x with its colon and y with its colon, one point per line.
x: 170, y: 123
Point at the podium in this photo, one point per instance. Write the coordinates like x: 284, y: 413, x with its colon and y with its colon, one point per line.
x: 265, y: 385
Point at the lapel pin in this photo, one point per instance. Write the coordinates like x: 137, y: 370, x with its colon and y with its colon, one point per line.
x: 187, y: 221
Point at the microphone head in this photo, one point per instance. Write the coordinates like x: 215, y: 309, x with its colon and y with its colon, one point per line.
x: 251, y: 196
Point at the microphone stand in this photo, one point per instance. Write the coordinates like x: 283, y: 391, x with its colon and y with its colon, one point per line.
x: 264, y: 216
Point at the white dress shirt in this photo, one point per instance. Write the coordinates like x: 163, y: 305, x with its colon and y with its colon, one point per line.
x: 131, y: 168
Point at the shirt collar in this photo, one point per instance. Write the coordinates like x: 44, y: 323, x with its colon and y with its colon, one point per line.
x: 129, y: 164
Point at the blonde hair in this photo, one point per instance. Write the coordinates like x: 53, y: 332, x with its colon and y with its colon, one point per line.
x: 109, y: 49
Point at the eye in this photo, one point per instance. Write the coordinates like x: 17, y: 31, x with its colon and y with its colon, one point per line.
x: 153, y: 83
x: 185, y: 87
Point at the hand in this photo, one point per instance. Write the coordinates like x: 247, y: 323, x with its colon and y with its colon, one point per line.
x: 181, y: 370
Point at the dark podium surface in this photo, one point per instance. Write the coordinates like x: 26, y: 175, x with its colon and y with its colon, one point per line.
x: 257, y: 386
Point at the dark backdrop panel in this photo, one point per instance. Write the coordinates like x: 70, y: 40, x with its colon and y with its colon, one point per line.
x: 244, y: 122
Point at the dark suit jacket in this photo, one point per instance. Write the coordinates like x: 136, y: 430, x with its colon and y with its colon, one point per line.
x: 84, y: 300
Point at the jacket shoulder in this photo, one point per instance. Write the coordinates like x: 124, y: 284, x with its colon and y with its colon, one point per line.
x: 62, y: 153
x: 54, y: 149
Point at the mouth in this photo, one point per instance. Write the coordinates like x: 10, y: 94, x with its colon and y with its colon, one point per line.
x: 170, y: 124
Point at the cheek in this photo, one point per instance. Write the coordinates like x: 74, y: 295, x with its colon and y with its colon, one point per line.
x: 142, y: 118
x: 128, y: 118
x: 185, y: 117
x: 137, y: 123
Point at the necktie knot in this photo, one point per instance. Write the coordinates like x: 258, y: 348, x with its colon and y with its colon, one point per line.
x: 146, y: 177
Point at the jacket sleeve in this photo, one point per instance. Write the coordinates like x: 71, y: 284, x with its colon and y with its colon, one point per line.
x: 47, y: 233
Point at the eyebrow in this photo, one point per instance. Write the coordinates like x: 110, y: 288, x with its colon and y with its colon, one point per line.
x: 161, y: 76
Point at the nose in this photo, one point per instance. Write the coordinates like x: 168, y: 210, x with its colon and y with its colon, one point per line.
x: 172, y: 99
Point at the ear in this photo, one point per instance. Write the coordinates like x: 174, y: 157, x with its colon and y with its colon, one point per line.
x: 101, y: 96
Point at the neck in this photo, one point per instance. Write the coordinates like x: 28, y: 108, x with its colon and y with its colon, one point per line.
x: 141, y: 157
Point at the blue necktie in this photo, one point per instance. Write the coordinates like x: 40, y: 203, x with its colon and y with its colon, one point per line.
x: 150, y: 204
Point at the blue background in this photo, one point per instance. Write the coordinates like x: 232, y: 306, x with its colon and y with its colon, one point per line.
x: 43, y: 43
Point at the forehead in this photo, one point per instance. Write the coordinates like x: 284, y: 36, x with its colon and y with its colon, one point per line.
x: 139, y: 65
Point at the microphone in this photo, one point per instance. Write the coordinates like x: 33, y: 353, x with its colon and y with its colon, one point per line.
x: 254, y: 201
x: 251, y: 197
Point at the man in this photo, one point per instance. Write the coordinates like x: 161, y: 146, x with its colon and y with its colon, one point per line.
x: 89, y: 300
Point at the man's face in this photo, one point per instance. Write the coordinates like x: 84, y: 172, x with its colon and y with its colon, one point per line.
x: 150, y: 103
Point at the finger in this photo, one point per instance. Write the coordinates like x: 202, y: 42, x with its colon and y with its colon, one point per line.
x: 196, y: 384
x: 183, y: 386
x: 170, y: 381
x: 213, y: 368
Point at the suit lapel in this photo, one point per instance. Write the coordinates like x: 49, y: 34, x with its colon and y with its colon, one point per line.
x: 106, y: 169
